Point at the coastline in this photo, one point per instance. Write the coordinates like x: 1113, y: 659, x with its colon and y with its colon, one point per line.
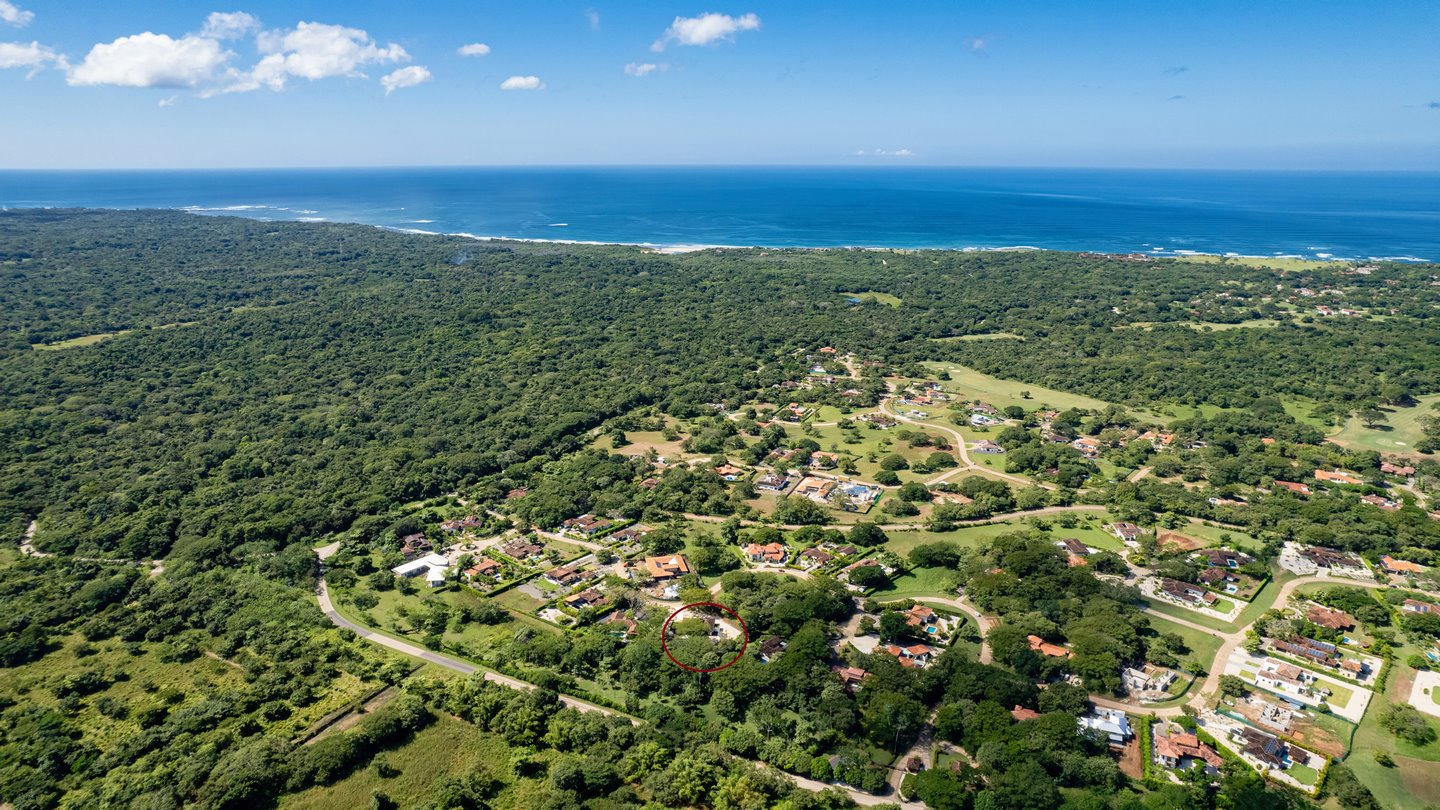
x: 253, y: 211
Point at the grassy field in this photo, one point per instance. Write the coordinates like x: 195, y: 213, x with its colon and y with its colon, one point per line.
x: 972, y: 384
x: 447, y: 748
x: 921, y: 582
x: 868, y: 295
x: 1088, y: 532
x: 986, y: 336
x: 79, y: 342
x: 1286, y: 264
x: 1203, y: 646
x: 1415, y: 779
x: 1399, y: 435
x: 193, y: 681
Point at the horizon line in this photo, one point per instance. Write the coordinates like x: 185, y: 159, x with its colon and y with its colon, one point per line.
x: 893, y: 165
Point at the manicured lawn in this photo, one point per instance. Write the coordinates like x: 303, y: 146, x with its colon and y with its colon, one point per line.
x: 1403, y: 431
x: 1192, y: 616
x: 1339, y: 695
x: 1304, y: 774
x: 921, y: 582
x: 448, y: 747
x: 1203, y: 646
x: 1415, y: 779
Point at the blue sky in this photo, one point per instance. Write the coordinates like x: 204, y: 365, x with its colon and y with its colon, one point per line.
x: 1280, y: 84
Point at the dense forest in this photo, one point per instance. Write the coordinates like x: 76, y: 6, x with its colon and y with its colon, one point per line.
x: 312, y: 374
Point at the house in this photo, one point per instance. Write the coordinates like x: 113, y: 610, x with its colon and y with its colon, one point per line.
x: 1173, y: 749
x: 824, y: 459
x: 1162, y: 439
x: 1284, y: 677
x: 1332, y: 619
x: 879, y: 420
x: 413, y: 545
x: 773, y: 553
x: 830, y: 350
x: 1110, y: 723
x: 1045, y: 648
x: 1415, y: 606
x: 981, y: 420
x: 484, y: 567
x: 629, y: 627
x: 773, y: 482
x: 1354, y: 668
x: 1261, y: 749
x: 650, y: 483
x: 912, y: 655
x: 564, y: 575
x: 729, y: 472
x: 1128, y: 532
x: 858, y: 496
x: 669, y: 567
x: 585, y: 599
x: 1219, y: 578
x: 1338, y: 477
x: 850, y: 677
x: 453, y: 526
x: 816, y: 489
x: 1390, y: 565
x: 1075, y: 551
x: 1223, y: 557
x: 1380, y: 501
x: 1309, y: 649
x: 586, y: 525
x: 1149, y: 679
x: 985, y: 408
x: 522, y: 550
x: 1395, y: 469
x: 1021, y: 714
x: 433, y: 567
x: 516, y: 494
x: 919, y: 616
x: 631, y: 534
x: 1330, y: 558
x: 770, y: 648
x: 1298, y: 489
x: 989, y: 448
x: 814, y: 558
x: 1185, y: 593
x: 1088, y: 447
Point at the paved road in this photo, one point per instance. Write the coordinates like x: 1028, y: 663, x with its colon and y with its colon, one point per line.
x: 430, y: 656
x: 960, y: 447
x: 904, y: 527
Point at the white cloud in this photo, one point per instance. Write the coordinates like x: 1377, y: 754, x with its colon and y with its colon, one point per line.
x: 229, y: 25
x: 405, y: 77
x: 522, y: 83
x: 314, y: 51
x: 706, y: 29
x: 594, y: 17
x: 474, y: 49
x: 30, y: 55
x: 151, y: 60
x: 10, y: 13
x: 644, y: 69
x: 885, y: 153
x: 169, y: 101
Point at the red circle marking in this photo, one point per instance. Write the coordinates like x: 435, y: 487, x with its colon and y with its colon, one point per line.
x: 744, y: 634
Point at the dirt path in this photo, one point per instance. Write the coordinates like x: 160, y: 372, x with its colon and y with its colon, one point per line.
x: 908, y: 527
x: 1138, y: 474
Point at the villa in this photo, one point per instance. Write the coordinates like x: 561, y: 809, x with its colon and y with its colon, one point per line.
x: 1338, y: 477
x: 1045, y: 648
x: 1284, y: 677
x: 773, y: 553
x: 1390, y: 565
x: 989, y: 448
x: 1223, y: 557
x: 1261, y: 749
x: 1329, y: 618
x: 1127, y: 532
x: 585, y: 525
x: 1111, y: 723
x: 484, y: 567
x: 433, y: 567
x: 1298, y: 489
x: 1174, y: 749
x: 814, y: 558
x: 1186, y: 594
x: 669, y: 567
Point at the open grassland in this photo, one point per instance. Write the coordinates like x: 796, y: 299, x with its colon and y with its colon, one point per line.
x: 447, y: 748
x: 1287, y: 264
x: 1399, y: 434
x: 972, y: 384
x: 1414, y: 781
x: 869, y: 295
x: 1203, y: 646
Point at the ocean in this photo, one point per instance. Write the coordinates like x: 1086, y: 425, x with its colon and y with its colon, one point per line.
x: 1343, y: 215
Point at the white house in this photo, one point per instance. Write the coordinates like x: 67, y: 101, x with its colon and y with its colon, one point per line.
x: 433, y: 567
x: 1112, y: 723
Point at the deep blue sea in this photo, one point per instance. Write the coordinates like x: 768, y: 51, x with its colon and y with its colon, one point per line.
x: 1309, y: 214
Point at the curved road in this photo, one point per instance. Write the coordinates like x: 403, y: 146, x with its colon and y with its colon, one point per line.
x: 905, y: 527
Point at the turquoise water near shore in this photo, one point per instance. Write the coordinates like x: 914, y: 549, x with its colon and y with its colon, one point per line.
x: 1349, y: 215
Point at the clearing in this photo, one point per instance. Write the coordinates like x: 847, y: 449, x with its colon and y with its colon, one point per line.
x: 1400, y: 433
